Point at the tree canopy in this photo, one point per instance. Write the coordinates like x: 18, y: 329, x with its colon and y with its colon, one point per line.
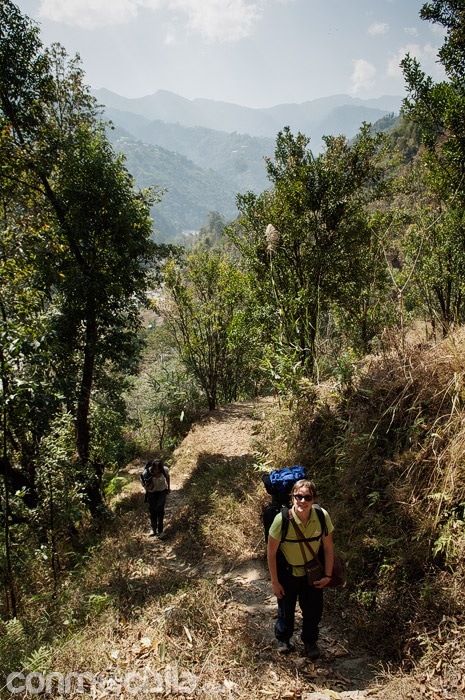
x: 77, y: 257
x: 308, y: 241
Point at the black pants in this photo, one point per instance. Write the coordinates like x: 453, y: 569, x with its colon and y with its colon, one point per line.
x: 310, y: 602
x: 156, y: 501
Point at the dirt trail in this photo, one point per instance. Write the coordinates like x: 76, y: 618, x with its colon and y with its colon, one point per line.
x: 340, y: 672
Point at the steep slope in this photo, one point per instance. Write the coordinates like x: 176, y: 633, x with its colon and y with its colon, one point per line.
x: 191, y: 192
x: 243, y: 613
x: 192, y: 616
x: 237, y: 158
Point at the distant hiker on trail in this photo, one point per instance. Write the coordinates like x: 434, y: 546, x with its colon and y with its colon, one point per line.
x: 156, y: 481
x: 294, y: 572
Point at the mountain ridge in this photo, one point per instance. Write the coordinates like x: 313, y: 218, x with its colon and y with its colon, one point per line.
x: 307, y: 117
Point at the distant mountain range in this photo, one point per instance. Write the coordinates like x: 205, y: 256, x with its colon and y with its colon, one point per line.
x: 205, y: 152
x: 315, y: 118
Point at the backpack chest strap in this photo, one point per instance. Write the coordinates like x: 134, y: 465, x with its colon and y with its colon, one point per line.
x: 300, y: 537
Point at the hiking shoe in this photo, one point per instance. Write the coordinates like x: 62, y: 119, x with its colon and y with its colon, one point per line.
x: 284, y: 647
x: 153, y: 534
x: 312, y: 651
x: 162, y: 535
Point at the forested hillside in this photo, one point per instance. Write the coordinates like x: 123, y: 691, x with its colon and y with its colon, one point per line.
x: 335, y: 296
x: 189, y: 193
x: 238, y: 158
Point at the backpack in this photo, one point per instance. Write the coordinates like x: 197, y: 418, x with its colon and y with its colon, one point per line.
x: 278, y: 484
x: 147, y: 476
x: 282, y: 480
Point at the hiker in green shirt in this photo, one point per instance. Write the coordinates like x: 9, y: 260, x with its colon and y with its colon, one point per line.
x: 286, y: 562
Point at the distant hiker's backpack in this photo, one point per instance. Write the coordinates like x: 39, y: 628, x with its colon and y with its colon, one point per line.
x: 146, y: 477
x: 278, y: 484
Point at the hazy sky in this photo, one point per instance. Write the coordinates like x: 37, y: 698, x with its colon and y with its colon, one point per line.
x: 257, y: 53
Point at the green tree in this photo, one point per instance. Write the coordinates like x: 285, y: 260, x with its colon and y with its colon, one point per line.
x: 103, y: 270
x: 27, y: 399
x: 92, y: 242
x: 308, y: 240
x: 437, y: 240
x: 206, y: 310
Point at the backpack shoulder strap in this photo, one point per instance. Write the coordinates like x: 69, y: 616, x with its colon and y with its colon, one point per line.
x: 285, y: 522
x: 321, y: 518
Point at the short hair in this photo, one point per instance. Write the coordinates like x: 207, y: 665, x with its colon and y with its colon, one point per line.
x: 304, y: 484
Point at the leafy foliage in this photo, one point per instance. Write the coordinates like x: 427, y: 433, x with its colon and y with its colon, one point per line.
x: 206, y: 310
x: 90, y: 264
x: 162, y: 400
x: 309, y: 244
x: 76, y: 259
x: 438, y: 111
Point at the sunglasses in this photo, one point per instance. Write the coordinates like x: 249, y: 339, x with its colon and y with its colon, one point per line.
x: 299, y: 497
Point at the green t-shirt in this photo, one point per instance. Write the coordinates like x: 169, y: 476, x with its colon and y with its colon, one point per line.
x: 292, y: 550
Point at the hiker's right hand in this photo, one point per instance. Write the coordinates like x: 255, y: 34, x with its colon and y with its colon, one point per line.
x: 278, y: 590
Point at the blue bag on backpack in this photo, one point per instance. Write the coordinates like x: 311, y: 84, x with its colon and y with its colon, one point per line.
x: 284, y: 479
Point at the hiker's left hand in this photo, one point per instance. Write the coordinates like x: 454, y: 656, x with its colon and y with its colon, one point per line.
x: 322, y: 582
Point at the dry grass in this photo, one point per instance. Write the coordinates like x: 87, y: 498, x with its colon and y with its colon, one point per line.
x: 150, y: 616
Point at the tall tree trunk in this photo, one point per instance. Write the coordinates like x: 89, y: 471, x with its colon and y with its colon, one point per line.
x: 91, y: 475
